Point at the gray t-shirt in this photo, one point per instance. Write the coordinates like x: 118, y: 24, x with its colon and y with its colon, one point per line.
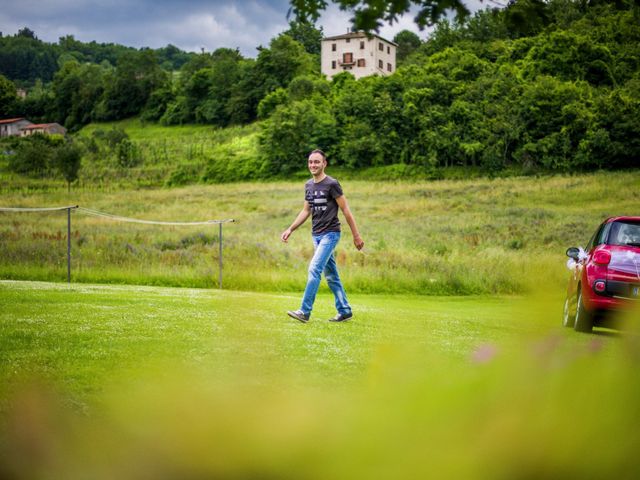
x: 321, y: 197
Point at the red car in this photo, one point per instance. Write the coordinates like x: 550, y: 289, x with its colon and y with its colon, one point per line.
x: 605, y: 276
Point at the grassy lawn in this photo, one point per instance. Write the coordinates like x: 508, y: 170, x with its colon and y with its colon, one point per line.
x: 147, y: 382
x: 103, y: 328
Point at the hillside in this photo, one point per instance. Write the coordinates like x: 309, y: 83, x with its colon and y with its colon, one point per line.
x: 535, y: 87
x: 168, y: 156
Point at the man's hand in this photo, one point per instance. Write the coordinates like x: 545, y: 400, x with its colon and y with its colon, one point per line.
x: 285, y: 235
x: 358, y: 242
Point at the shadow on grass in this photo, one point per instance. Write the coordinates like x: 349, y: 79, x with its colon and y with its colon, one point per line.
x: 606, y: 332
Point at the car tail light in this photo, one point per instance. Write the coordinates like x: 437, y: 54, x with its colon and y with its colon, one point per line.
x: 600, y: 286
x: 602, y: 257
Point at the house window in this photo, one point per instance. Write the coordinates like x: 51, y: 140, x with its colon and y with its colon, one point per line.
x: 388, y: 49
x: 348, y: 40
x: 361, y: 62
x: 380, y: 47
x: 380, y: 64
x: 361, y: 45
x: 333, y: 64
x: 333, y: 47
x: 388, y: 67
x: 347, y: 58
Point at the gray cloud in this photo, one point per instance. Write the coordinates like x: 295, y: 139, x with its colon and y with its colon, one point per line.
x: 188, y: 24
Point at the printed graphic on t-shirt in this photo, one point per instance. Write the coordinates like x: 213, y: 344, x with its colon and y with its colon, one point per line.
x: 319, y: 202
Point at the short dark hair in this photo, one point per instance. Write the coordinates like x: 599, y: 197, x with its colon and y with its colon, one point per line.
x: 317, y: 150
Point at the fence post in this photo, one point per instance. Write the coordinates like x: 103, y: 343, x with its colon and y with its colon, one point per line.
x: 220, y: 257
x: 68, y: 245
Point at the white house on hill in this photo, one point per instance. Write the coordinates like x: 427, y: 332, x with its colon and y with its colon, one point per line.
x: 358, y: 53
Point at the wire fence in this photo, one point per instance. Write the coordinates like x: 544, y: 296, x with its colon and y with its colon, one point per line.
x: 118, y: 218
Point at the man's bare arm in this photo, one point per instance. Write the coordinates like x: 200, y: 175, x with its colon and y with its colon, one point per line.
x: 348, y: 216
x: 300, y: 219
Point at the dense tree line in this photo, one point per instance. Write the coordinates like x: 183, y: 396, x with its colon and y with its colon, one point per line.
x: 73, y: 82
x: 537, y: 85
x: 99, y: 83
x: 25, y: 59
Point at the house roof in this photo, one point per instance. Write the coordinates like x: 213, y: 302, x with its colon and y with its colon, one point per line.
x: 358, y: 35
x: 39, y: 125
x: 12, y: 120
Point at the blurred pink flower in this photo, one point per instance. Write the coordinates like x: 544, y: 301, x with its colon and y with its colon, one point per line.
x: 484, y: 353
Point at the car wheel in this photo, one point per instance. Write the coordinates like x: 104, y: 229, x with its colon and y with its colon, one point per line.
x: 584, y: 320
x: 568, y: 320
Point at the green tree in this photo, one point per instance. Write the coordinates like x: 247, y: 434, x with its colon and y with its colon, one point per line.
x: 369, y: 14
x: 195, y: 63
x: 307, y: 35
x: 284, y: 60
x: 526, y: 18
x: 8, y: 96
x: 67, y: 158
x: 25, y: 58
x: 224, y: 75
x: 274, y: 68
x: 445, y: 35
x: 26, y: 32
x: 172, y: 58
x: 291, y: 133
x: 613, y: 141
x: 485, y: 26
x: 38, y: 104
x: 33, y: 155
x: 554, y: 117
x: 360, y: 146
x: 127, y: 154
x: 272, y: 101
x: 569, y: 56
x: 77, y: 89
x: 408, y: 42
x: 158, y: 102
x: 128, y: 89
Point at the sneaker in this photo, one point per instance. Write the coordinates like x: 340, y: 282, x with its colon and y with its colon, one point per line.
x: 342, y: 317
x: 299, y: 315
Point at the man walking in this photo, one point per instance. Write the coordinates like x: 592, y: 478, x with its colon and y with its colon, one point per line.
x: 323, y: 195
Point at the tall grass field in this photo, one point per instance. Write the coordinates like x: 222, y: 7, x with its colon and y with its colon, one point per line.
x: 480, y: 236
x: 169, y: 156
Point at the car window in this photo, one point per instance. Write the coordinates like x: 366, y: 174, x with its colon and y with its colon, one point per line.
x: 624, y: 233
x: 597, y: 237
x: 601, y: 237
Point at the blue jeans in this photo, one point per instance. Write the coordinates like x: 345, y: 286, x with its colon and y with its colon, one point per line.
x: 324, y: 261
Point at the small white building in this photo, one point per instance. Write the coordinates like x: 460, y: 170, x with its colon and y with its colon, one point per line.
x: 13, y: 126
x: 358, y: 53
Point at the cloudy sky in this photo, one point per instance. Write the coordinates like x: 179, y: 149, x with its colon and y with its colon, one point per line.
x: 189, y: 24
